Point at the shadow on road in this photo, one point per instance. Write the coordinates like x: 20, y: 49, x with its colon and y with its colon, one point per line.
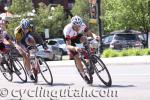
x: 44, y: 84
x: 113, y: 86
x: 62, y: 84
x: 20, y: 82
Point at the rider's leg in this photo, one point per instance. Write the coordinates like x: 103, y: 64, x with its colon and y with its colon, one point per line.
x: 80, y: 68
x: 26, y: 60
x: 79, y: 64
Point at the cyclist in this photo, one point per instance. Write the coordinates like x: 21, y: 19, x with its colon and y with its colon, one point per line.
x: 73, y: 34
x: 5, y: 43
x: 24, y: 39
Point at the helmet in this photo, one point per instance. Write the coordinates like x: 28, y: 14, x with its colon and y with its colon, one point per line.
x: 76, y: 20
x: 24, y: 23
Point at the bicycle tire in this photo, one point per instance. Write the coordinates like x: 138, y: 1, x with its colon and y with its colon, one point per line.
x: 104, y: 68
x: 18, y: 66
x: 42, y: 65
x: 86, y: 70
x: 7, y: 75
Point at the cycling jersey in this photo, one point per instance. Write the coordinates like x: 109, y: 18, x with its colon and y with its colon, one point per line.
x: 3, y: 35
x: 19, y: 33
x: 72, y: 35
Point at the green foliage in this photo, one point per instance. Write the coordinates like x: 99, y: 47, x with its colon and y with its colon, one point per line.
x: 110, y: 53
x: 54, y: 20
x: 126, y: 52
x: 123, y: 53
x: 137, y: 52
x: 21, y: 6
x: 116, y: 14
x: 120, y: 14
x: 12, y: 25
x: 146, y: 51
x: 82, y: 8
x: 41, y: 18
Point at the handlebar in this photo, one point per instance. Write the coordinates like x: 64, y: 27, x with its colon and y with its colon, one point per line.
x: 35, y: 47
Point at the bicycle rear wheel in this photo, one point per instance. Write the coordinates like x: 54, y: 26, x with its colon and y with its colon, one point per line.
x: 6, y: 72
x: 45, y: 71
x: 19, y: 70
x: 101, y: 71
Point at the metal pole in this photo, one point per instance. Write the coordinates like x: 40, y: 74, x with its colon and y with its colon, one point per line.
x: 99, y: 23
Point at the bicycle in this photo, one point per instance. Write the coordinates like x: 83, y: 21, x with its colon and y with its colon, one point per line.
x: 94, y: 64
x: 10, y: 64
x: 40, y: 65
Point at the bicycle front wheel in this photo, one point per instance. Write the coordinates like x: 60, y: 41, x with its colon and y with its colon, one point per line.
x: 45, y: 71
x: 19, y: 70
x: 6, y: 72
x: 102, y: 71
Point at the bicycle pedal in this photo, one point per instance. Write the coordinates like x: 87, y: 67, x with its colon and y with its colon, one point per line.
x: 32, y: 77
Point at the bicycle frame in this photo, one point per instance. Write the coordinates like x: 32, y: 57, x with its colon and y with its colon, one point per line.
x: 39, y: 64
x: 8, y: 59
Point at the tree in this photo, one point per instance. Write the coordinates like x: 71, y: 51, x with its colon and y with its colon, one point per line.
x: 19, y: 8
x: 129, y: 14
x: 120, y: 14
x: 81, y: 8
x: 49, y: 17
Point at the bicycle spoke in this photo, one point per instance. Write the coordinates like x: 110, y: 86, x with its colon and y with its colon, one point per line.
x: 7, y: 73
x: 45, y: 71
x: 102, y: 72
x: 20, y: 71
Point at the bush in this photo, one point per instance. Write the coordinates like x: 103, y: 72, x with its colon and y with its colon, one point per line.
x: 136, y: 52
x: 146, y: 51
x: 125, y: 52
x: 110, y: 53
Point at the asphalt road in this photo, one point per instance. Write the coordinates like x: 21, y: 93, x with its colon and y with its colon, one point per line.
x: 130, y: 82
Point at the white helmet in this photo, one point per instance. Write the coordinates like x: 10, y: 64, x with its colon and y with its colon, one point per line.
x: 76, y: 20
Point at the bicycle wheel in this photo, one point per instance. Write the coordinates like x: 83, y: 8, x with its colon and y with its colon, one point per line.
x: 6, y: 72
x: 101, y: 71
x: 86, y: 70
x: 19, y: 70
x: 45, y: 71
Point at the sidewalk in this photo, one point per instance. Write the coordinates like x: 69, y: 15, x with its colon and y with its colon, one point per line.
x: 109, y: 61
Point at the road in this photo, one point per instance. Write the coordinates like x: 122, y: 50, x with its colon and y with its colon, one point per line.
x: 130, y: 82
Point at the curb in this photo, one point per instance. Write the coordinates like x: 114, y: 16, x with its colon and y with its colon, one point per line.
x: 109, y: 61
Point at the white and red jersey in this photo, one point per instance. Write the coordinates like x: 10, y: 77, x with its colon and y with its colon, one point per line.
x: 70, y: 34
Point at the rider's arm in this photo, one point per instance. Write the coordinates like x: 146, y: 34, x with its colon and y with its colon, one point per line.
x: 8, y: 40
x: 88, y: 33
x: 30, y: 41
x: 68, y: 43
